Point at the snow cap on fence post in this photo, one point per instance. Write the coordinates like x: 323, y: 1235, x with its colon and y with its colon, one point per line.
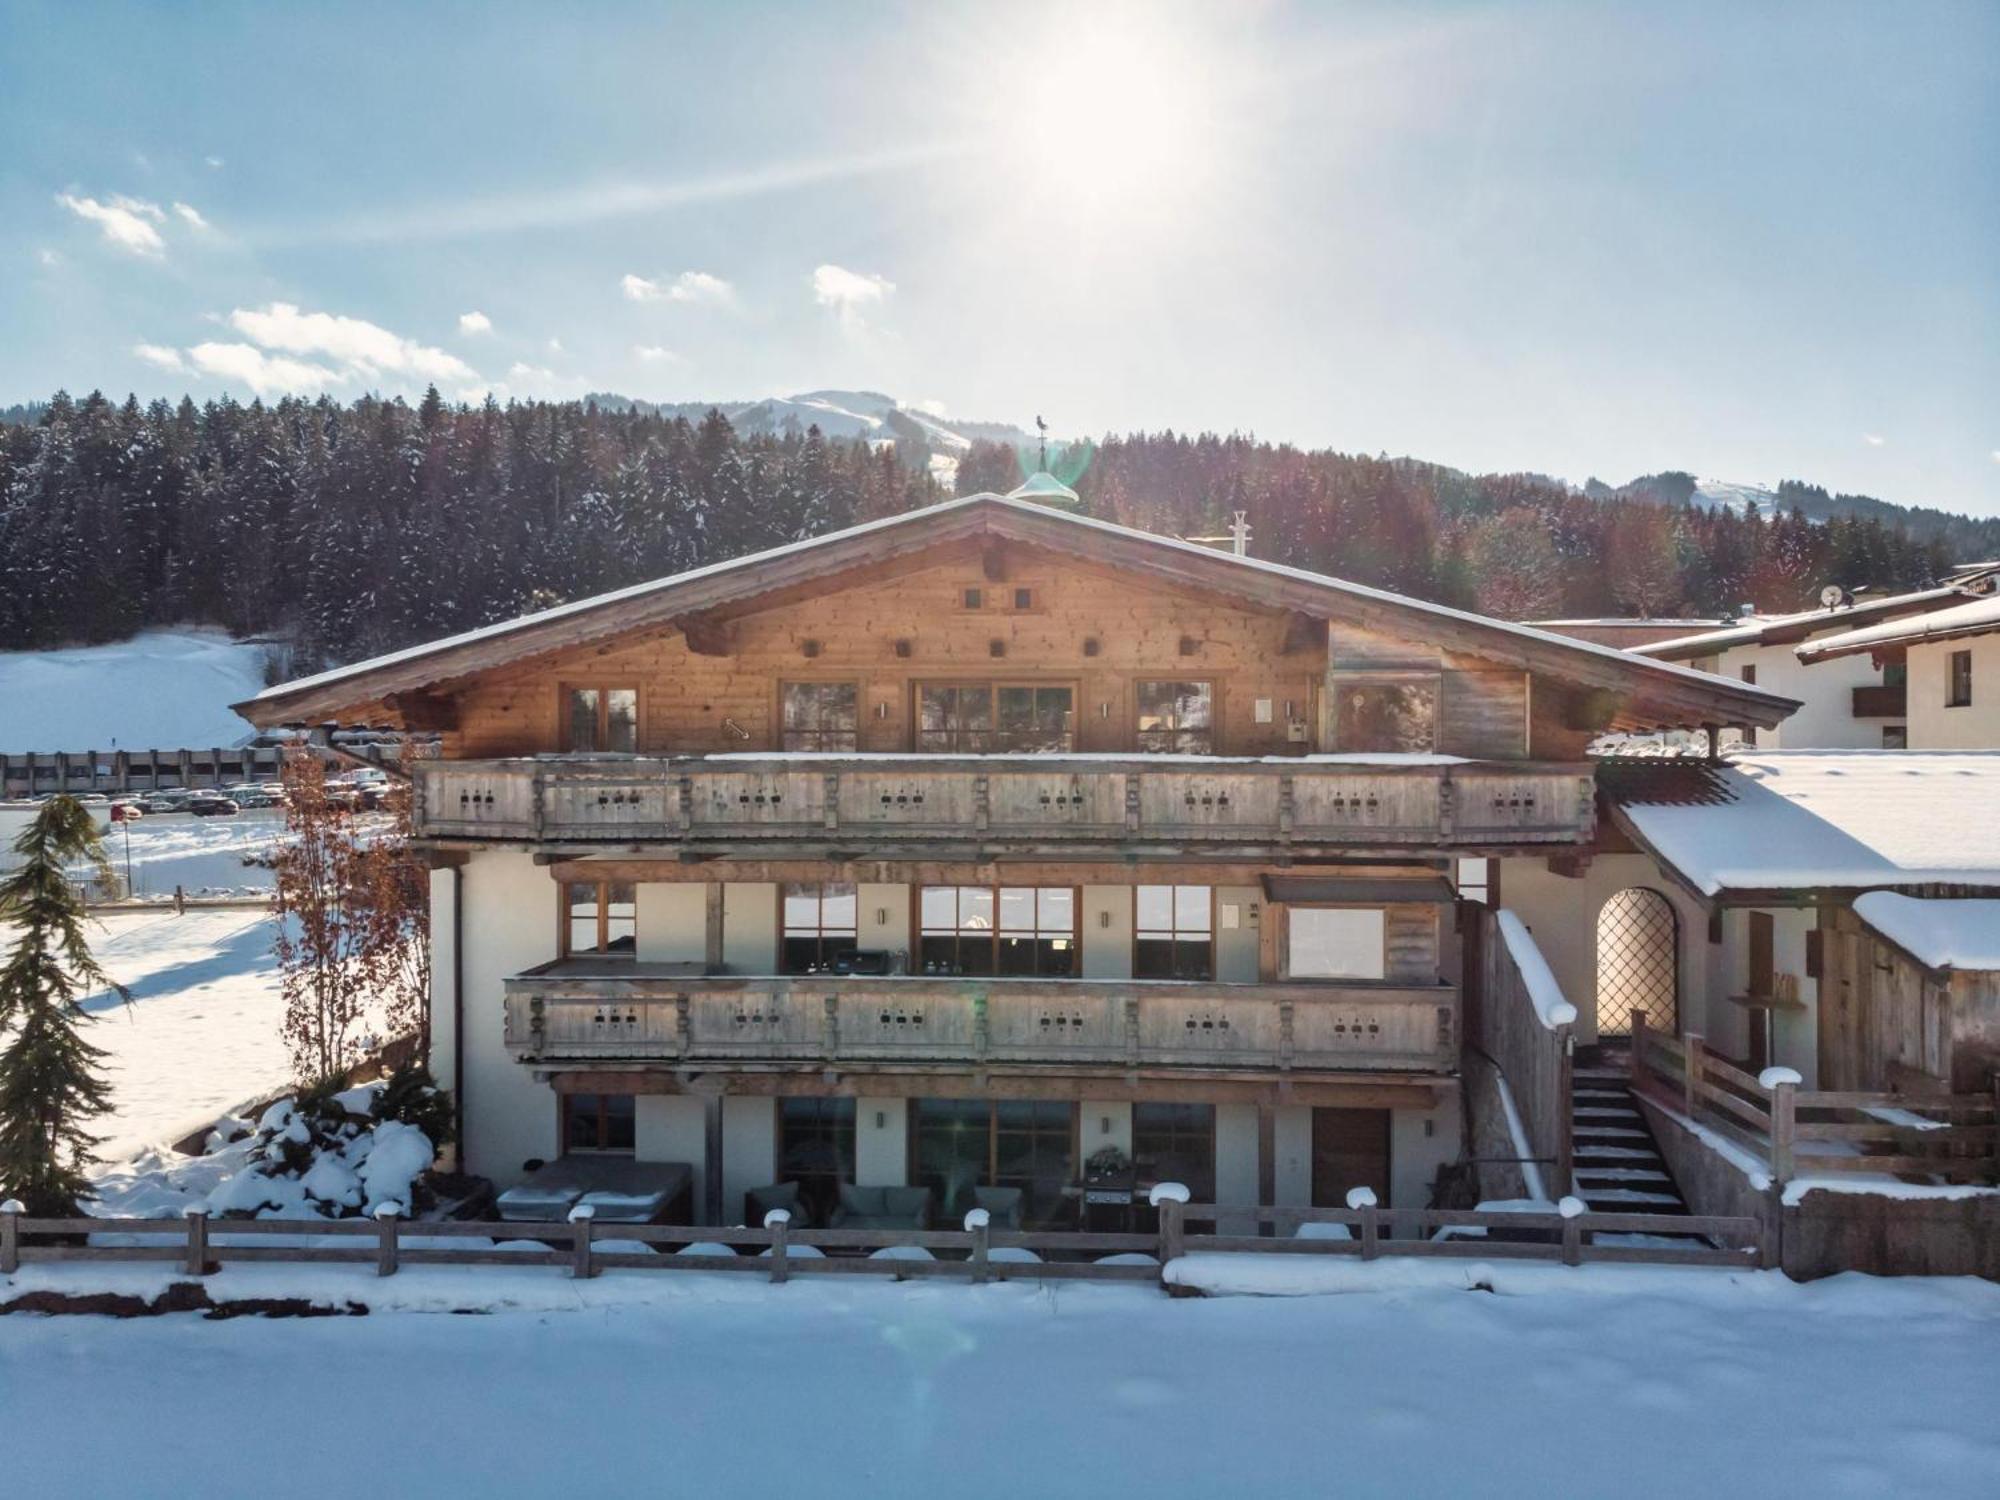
x: 1570, y: 1207
x: 1168, y: 1192
x: 977, y: 1218
x: 389, y: 1208
x: 1361, y: 1197
x: 581, y: 1213
x: 13, y: 1206
x: 1770, y: 1078
x: 194, y: 1211
x: 776, y: 1216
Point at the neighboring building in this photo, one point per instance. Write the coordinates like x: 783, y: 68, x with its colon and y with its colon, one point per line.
x: 1949, y: 659
x: 1626, y: 634
x: 1855, y: 703
x: 953, y: 849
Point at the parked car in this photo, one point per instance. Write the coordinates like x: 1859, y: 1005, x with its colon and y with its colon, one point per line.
x: 249, y: 795
x: 209, y: 805
x: 127, y: 810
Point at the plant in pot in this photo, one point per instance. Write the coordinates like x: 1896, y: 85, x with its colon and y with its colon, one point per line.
x: 1108, y: 1165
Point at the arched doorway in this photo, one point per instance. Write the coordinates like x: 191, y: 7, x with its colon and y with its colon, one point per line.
x: 1638, y: 962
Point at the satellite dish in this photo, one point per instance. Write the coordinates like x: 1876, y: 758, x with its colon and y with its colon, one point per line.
x: 1832, y: 596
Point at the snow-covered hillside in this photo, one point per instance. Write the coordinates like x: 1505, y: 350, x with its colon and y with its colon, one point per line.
x: 163, y: 689
x: 1730, y: 494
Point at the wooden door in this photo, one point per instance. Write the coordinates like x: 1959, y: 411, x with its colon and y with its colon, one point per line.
x: 1763, y: 981
x: 1350, y: 1149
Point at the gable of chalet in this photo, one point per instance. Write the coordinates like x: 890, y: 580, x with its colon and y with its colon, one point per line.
x: 1345, y: 625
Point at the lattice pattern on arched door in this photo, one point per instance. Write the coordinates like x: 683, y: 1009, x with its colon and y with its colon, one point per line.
x: 1638, y: 944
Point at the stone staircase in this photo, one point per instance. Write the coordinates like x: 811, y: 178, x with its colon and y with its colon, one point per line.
x: 1618, y: 1166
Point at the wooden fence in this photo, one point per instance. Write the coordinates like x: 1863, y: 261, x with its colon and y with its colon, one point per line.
x: 387, y: 1242
x: 1950, y: 1135
x: 1536, y: 1059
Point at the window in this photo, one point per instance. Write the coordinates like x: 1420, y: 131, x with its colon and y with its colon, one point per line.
x: 600, y: 919
x: 1174, y: 932
x: 1385, y: 715
x: 1024, y: 598
x: 819, y: 925
x: 1958, y: 688
x: 819, y: 716
x: 603, y: 718
x: 1176, y: 718
x: 1016, y: 930
x: 816, y: 1150
x: 1896, y: 673
x: 978, y: 718
x: 1475, y: 880
x: 973, y: 599
x: 1334, y: 942
x: 1895, y: 737
x: 1750, y: 673
x: 1030, y: 1144
x: 1175, y: 1143
x: 599, y: 1122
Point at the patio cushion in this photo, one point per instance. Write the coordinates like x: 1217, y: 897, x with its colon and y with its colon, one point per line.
x: 785, y: 1195
x: 1002, y: 1204
x: 882, y: 1207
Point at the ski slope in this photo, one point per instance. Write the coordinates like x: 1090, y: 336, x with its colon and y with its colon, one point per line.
x: 163, y: 689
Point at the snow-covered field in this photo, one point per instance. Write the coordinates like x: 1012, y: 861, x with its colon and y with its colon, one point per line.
x: 163, y: 689
x: 701, y: 1384
x: 197, y: 854
x: 201, y: 1035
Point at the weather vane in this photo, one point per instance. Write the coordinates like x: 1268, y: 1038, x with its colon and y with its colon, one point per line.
x: 1043, y: 428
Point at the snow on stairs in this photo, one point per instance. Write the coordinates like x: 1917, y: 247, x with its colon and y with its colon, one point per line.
x: 1618, y: 1167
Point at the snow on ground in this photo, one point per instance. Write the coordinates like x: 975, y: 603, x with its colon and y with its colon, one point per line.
x: 1601, y: 1382
x: 163, y: 689
x: 197, y: 854
x: 201, y: 1035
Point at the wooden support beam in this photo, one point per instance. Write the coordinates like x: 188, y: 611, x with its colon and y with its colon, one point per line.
x: 1036, y: 871
x: 1303, y: 632
x: 707, y: 636
x: 424, y: 712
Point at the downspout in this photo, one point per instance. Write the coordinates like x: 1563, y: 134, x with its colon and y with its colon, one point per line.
x: 458, y: 1011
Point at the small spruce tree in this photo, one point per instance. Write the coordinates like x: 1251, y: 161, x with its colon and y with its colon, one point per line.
x: 50, y: 1086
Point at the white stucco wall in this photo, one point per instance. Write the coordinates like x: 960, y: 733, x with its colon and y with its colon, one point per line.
x: 1561, y: 914
x: 750, y: 927
x: 1825, y: 690
x: 1936, y: 727
x: 673, y: 922
x: 1794, y: 1034
x: 509, y: 924
x: 1107, y: 931
x: 1421, y: 1141
x: 881, y: 1152
x: 749, y: 1151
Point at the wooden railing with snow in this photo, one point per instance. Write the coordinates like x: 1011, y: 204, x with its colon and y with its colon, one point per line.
x: 1525, y: 1026
x: 1800, y: 1132
x: 200, y: 1245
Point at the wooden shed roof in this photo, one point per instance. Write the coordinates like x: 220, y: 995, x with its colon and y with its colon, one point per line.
x: 1649, y: 692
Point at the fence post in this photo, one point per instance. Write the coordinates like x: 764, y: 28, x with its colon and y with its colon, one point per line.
x: 1638, y: 1058
x: 779, y: 1222
x: 1692, y: 1069
x: 1363, y: 1199
x: 197, y: 1239
x: 1171, y: 1230
x: 580, y: 1266
x: 979, y: 1223
x: 386, y: 1247
x: 1572, y: 1208
x: 1783, y: 1125
x: 10, y: 1235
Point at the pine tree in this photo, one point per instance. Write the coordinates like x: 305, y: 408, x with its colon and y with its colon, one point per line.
x: 50, y: 1086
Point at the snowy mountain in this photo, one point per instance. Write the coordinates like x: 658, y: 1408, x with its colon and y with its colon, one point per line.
x: 1728, y: 494
x: 838, y: 414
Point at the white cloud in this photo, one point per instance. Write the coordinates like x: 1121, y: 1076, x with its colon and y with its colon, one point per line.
x: 847, y: 293
x: 365, y: 349
x: 521, y: 371
x: 930, y: 407
x: 656, y: 354
x: 214, y: 162
x: 1873, y: 439
x: 690, y: 286
x: 48, y: 257
x: 555, y: 346
x: 161, y: 355
x: 129, y: 224
x: 266, y: 374
x: 474, y: 322
x: 192, y: 216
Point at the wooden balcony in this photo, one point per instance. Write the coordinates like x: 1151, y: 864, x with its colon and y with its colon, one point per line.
x: 1033, y: 801
x: 604, y: 1012
x: 1881, y: 701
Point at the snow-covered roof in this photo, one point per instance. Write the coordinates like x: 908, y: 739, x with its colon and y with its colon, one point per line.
x: 1940, y: 933
x: 1769, y: 630
x: 1975, y: 617
x: 621, y: 609
x: 1820, y: 819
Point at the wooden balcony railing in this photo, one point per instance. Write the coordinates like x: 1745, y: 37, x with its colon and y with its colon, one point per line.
x: 1032, y: 799
x: 1881, y: 701
x: 566, y: 1013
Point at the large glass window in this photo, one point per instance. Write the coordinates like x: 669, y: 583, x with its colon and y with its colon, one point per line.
x: 820, y: 716
x: 1376, y: 715
x: 1030, y: 1144
x: 1175, y: 1143
x: 978, y: 718
x: 1335, y: 942
x: 599, y: 1122
x: 1012, y: 930
x: 816, y: 1150
x: 600, y: 919
x: 601, y: 718
x: 819, y: 925
x: 1176, y: 718
x: 1174, y: 932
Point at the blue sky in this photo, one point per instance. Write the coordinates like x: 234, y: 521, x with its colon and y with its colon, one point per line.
x: 1755, y: 241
